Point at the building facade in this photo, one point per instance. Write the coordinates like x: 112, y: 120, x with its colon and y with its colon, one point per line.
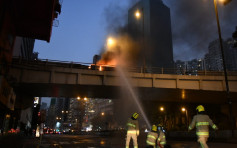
x: 213, y: 59
x: 189, y: 67
x: 23, y: 47
x: 153, y: 28
x: 20, y: 23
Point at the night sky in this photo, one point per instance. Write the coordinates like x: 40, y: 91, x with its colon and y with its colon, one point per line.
x: 85, y: 24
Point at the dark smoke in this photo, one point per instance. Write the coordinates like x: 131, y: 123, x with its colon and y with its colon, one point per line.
x: 194, y: 25
x: 116, y: 17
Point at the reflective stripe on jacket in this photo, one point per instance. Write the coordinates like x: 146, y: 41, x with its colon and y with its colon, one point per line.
x: 202, y: 123
x: 162, y: 138
x: 151, y: 138
x: 132, y: 127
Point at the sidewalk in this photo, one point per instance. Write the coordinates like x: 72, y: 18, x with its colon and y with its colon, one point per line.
x: 218, y: 136
x: 18, y: 141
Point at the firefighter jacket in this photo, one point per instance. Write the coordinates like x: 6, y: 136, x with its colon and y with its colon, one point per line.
x: 202, y: 123
x: 161, y: 138
x: 132, y: 127
x: 152, y: 138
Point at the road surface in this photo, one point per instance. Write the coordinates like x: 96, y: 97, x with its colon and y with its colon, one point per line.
x: 92, y: 141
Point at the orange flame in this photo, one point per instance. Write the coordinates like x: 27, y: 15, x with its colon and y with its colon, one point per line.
x: 111, y: 63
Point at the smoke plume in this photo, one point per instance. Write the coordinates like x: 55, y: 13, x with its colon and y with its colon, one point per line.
x: 194, y: 25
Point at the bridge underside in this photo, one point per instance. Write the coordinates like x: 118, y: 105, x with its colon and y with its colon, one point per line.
x: 113, y: 92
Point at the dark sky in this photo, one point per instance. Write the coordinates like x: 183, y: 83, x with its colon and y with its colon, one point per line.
x: 194, y: 25
x: 85, y: 24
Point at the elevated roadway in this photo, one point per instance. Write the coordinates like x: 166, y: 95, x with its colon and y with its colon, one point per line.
x: 60, y: 79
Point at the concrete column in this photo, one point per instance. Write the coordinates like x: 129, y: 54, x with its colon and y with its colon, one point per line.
x: 200, y: 84
x: 153, y: 82
x: 21, y: 75
x: 52, y: 76
x: 177, y: 83
x: 78, y: 78
x: 103, y: 79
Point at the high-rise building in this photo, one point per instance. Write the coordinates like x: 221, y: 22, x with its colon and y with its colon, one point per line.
x: 51, y: 118
x: 23, y: 47
x: 99, y: 115
x: 76, y: 113
x: 153, y: 27
x: 189, y: 67
x: 43, y: 106
x: 231, y: 61
x: 213, y: 59
x: 96, y: 58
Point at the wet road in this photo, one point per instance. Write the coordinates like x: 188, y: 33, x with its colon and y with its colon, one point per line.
x: 75, y: 141
x: 91, y: 141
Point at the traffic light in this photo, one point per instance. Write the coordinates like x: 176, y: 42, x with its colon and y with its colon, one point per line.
x: 227, y: 2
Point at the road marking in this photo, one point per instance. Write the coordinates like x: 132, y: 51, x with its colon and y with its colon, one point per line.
x: 76, y: 142
x: 65, y: 142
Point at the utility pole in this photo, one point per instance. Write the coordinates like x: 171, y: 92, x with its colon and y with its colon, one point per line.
x: 224, y: 65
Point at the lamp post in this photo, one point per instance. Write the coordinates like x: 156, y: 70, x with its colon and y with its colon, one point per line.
x: 163, y: 115
x: 138, y: 15
x: 81, y: 107
x: 183, y: 109
x: 223, y: 62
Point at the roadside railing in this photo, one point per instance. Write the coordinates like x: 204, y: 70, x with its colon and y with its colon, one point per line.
x: 90, y: 66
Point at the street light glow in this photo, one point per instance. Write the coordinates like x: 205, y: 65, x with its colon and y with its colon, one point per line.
x: 222, y: 0
x: 183, y: 109
x: 137, y: 14
x: 100, y: 68
x: 78, y: 98
x: 110, y: 42
x: 85, y: 98
x: 102, y: 113
x: 183, y: 94
x: 162, y: 109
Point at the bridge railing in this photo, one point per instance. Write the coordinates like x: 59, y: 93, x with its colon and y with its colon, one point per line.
x: 81, y: 65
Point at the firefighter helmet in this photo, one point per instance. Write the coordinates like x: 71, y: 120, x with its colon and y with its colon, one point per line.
x: 159, y: 125
x: 135, y: 115
x: 154, y: 128
x: 200, y: 108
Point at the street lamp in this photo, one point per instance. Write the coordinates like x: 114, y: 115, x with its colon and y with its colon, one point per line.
x: 223, y: 62
x: 138, y: 14
x: 110, y: 42
x: 162, y: 108
x: 183, y: 109
x: 78, y: 98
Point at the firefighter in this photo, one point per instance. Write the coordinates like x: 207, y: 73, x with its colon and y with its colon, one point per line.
x: 132, y: 130
x: 202, y: 122
x: 152, y: 137
x: 161, y: 142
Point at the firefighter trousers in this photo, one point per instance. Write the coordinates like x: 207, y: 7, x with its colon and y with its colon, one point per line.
x: 161, y: 146
x: 134, y: 138
x: 203, y: 141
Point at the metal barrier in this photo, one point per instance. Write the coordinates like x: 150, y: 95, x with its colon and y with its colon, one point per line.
x: 81, y: 65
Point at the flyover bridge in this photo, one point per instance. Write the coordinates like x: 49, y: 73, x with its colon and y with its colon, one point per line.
x: 45, y: 78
